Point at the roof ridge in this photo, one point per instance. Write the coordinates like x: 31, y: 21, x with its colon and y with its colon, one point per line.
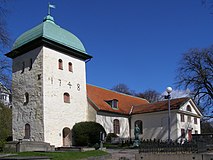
x: 187, y: 98
x: 117, y: 92
x: 172, y: 99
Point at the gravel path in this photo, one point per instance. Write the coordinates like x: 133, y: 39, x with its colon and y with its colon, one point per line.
x: 122, y: 154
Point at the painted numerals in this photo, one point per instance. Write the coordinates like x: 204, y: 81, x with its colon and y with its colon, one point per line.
x: 78, y: 87
x: 70, y: 85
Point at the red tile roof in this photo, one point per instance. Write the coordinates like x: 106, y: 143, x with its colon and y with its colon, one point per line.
x: 159, y: 106
x: 98, y: 96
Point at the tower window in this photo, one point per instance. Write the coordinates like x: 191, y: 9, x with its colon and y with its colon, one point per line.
x: 60, y: 64
x: 31, y: 64
x: 26, y: 98
x: 23, y: 66
x: 70, y: 68
x: 116, y: 126
x: 27, y: 131
x: 66, y: 98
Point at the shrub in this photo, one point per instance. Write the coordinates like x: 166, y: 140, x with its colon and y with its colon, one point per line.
x: 110, y: 136
x: 87, y: 133
x: 5, y: 124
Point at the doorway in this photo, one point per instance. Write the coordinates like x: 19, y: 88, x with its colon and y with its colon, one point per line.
x: 66, y: 137
x: 189, y: 135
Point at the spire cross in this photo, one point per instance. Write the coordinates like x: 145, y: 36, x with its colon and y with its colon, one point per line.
x: 50, y: 6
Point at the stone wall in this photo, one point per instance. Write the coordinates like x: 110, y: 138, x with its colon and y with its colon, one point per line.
x: 26, y: 71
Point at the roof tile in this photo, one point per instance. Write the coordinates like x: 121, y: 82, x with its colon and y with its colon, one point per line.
x: 99, y: 96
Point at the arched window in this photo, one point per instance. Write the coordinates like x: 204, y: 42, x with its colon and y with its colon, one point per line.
x: 116, y: 126
x: 27, y: 131
x: 31, y: 64
x: 60, y: 64
x: 66, y: 98
x: 139, y: 123
x: 26, y: 98
x: 188, y: 108
x: 70, y: 68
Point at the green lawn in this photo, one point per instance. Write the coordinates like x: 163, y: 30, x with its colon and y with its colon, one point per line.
x: 65, y: 155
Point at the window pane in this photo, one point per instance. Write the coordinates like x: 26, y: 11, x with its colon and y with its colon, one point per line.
x: 116, y: 126
x: 60, y: 64
x: 182, y: 118
x: 70, y: 67
x: 66, y: 98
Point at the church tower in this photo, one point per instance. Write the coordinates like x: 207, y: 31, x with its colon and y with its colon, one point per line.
x: 49, y: 84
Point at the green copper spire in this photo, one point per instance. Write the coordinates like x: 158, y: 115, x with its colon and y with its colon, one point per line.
x: 49, y: 18
x: 51, y: 31
x: 48, y: 33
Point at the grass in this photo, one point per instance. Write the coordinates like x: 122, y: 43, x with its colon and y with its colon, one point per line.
x: 65, y: 155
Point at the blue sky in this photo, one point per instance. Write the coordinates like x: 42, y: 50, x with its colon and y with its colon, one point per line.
x: 135, y: 42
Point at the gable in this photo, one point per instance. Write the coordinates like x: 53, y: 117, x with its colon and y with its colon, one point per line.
x: 190, y: 108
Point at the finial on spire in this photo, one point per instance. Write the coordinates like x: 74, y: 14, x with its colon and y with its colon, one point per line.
x: 50, y: 6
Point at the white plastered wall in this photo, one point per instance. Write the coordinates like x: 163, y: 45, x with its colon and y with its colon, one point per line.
x: 57, y: 114
x: 155, y: 125
x: 194, y: 113
x: 107, y: 122
x: 91, y: 113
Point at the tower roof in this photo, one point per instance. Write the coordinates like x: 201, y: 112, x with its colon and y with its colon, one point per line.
x: 48, y: 29
x: 51, y: 33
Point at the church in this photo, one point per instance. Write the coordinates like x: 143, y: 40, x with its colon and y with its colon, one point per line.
x: 50, y: 94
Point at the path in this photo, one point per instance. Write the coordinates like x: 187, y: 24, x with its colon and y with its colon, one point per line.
x: 122, y: 154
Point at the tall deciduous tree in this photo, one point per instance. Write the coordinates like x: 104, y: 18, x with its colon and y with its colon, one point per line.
x: 208, y: 4
x: 123, y: 88
x: 5, y: 66
x: 196, y: 73
x: 4, y: 37
x: 150, y: 95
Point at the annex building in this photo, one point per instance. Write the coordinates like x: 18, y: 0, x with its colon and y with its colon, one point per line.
x: 50, y: 94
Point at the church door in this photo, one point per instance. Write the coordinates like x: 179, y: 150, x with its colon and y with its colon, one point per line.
x: 66, y: 137
x: 189, y: 135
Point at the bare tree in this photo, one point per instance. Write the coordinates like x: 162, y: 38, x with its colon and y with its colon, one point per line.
x: 196, y: 73
x: 206, y: 127
x: 5, y: 65
x: 123, y: 88
x: 208, y: 4
x: 4, y: 36
x: 5, y: 71
x: 150, y: 95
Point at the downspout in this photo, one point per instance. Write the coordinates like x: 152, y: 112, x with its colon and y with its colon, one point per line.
x: 130, y: 117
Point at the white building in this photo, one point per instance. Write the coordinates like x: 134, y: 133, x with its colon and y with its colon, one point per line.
x: 119, y: 113
x: 5, y: 95
x: 50, y: 94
